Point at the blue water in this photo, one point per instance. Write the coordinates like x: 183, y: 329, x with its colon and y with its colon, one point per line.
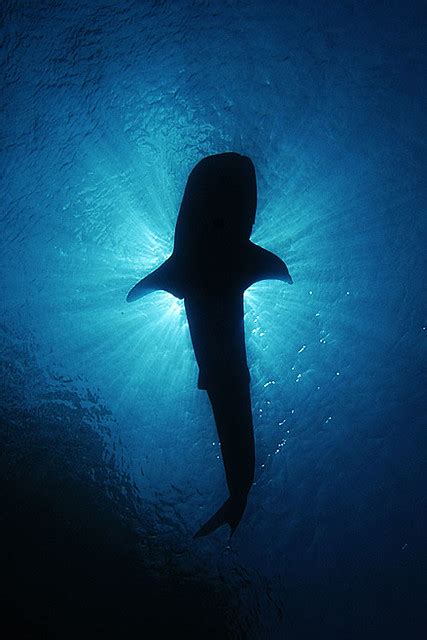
x: 110, y: 460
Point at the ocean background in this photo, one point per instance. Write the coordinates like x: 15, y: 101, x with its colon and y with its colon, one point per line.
x: 109, y: 459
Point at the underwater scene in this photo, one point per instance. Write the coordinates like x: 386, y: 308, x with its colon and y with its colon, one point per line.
x: 110, y: 459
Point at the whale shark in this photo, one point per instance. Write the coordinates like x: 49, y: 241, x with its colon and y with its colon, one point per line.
x: 212, y: 263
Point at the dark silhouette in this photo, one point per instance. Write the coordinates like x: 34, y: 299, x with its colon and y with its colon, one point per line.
x: 212, y: 263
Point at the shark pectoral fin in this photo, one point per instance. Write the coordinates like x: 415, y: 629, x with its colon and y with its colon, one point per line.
x: 164, y: 278
x: 264, y: 265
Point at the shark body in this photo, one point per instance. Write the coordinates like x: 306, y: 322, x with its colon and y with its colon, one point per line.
x: 213, y: 262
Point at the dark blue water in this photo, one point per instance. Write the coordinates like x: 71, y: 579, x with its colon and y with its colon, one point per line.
x: 109, y: 460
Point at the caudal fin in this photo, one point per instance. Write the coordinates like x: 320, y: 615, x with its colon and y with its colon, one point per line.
x: 230, y: 513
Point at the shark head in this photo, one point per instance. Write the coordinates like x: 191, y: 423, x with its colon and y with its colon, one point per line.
x: 219, y: 204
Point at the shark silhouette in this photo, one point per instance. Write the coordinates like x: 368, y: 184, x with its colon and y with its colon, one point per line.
x: 212, y: 263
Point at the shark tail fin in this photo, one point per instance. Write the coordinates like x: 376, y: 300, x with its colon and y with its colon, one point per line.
x: 230, y: 513
x: 167, y: 277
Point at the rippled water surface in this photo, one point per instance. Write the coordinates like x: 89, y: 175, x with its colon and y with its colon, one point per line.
x: 109, y: 458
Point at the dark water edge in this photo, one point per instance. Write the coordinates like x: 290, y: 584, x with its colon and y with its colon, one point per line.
x: 82, y: 552
x: 77, y: 561
x: 73, y: 564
